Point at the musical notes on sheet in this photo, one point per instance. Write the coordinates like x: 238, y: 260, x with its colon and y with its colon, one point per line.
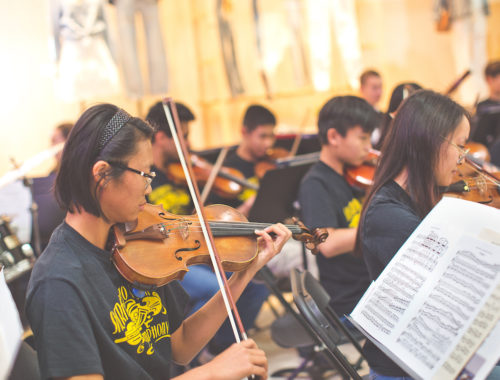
x: 447, y: 311
x: 439, y: 297
x: 399, y: 287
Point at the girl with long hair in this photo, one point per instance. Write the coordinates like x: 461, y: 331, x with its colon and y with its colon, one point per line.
x: 420, y: 155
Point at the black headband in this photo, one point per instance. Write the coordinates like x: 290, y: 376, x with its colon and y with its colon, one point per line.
x: 116, y: 123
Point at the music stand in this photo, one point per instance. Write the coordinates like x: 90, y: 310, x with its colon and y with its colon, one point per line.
x: 277, y: 192
x: 50, y: 214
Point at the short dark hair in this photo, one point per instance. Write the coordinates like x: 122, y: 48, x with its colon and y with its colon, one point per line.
x: 158, y: 120
x: 398, y: 94
x: 64, y: 128
x: 368, y: 73
x: 81, y: 152
x: 256, y: 115
x: 492, y: 69
x: 345, y: 112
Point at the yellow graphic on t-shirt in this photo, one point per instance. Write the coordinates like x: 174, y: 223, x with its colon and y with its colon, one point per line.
x: 352, y: 212
x: 174, y: 200
x: 247, y: 192
x: 133, y: 320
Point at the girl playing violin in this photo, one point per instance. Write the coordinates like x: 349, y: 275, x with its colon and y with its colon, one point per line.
x: 89, y: 322
x: 421, y: 152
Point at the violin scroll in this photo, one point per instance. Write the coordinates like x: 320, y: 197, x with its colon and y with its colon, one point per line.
x: 310, y: 239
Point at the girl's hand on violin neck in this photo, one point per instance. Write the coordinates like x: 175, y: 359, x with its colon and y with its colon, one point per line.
x: 270, y: 246
x: 240, y: 360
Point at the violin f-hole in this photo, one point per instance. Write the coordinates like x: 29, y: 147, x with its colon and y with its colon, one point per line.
x: 198, y: 245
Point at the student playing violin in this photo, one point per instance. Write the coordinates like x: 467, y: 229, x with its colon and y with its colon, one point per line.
x: 420, y: 153
x: 258, y: 137
x: 326, y: 199
x: 173, y: 197
x: 200, y: 282
x: 88, y: 321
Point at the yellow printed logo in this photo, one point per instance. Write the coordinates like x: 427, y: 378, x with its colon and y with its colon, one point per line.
x: 174, y: 200
x: 247, y: 193
x: 133, y: 321
x: 352, y: 212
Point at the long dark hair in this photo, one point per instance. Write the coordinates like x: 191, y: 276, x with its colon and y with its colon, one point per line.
x: 73, y: 187
x: 414, y: 142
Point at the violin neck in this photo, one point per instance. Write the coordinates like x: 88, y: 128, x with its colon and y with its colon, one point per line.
x: 239, y: 181
x: 244, y: 228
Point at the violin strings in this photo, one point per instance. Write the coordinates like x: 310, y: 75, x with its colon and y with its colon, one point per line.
x: 220, y: 226
x: 480, y: 171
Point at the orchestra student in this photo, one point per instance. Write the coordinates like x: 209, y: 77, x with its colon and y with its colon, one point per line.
x: 88, y: 321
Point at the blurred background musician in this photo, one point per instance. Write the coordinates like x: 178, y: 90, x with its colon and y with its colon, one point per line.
x: 370, y: 87
x: 173, y: 197
x: 50, y: 215
x: 257, y: 138
x: 326, y: 199
x: 200, y: 281
x: 399, y: 93
x: 486, y: 129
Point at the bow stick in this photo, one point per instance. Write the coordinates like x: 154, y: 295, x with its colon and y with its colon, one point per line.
x: 180, y: 144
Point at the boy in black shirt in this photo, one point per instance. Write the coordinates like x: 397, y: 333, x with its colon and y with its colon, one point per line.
x: 173, y: 197
x: 326, y: 199
x: 257, y: 138
x: 200, y: 282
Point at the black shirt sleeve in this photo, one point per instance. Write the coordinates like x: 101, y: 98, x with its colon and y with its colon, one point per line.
x: 317, y: 208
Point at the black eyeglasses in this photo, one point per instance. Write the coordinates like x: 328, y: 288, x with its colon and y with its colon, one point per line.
x: 148, y: 176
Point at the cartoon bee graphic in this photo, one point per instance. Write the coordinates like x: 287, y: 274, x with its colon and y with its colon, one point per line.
x: 136, y: 318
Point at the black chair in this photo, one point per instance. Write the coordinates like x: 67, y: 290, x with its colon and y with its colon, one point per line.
x: 291, y: 330
x: 26, y: 364
x: 313, y: 303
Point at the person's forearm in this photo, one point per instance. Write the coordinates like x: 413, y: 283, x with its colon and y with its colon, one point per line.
x: 199, y: 328
x: 339, y: 241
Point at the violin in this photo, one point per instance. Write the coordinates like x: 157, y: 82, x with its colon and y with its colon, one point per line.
x: 159, y: 246
x: 228, y: 184
x: 484, y: 187
x: 476, y: 189
x: 362, y: 176
x: 268, y: 162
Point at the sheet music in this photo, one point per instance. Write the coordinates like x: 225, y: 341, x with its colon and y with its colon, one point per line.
x: 10, y: 329
x: 485, y: 358
x: 439, y: 297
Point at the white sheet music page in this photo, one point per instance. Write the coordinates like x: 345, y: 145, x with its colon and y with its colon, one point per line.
x: 11, y: 329
x: 439, y: 297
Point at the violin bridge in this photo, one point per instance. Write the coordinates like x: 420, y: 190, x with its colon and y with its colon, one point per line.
x: 184, y: 228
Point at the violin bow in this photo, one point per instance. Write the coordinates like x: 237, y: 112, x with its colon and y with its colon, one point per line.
x: 180, y: 144
x: 300, y: 134
x: 213, y: 174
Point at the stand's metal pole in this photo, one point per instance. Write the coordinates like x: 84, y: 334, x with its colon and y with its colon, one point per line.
x: 35, y: 238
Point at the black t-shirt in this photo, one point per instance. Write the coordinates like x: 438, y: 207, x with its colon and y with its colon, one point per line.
x: 87, y: 319
x: 246, y: 168
x: 389, y: 220
x: 327, y: 200
x: 174, y: 198
x: 487, y: 122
